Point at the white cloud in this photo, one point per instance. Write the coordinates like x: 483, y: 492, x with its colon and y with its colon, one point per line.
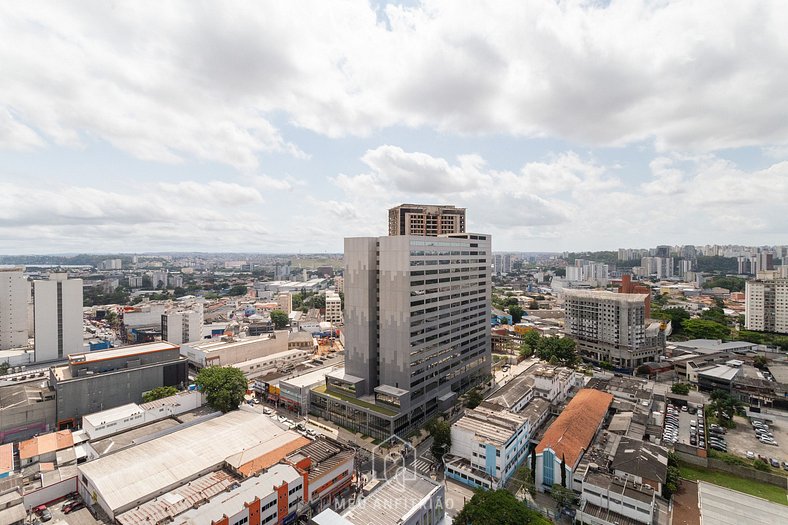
x: 171, y: 81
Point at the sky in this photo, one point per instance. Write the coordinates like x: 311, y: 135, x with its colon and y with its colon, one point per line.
x: 287, y: 126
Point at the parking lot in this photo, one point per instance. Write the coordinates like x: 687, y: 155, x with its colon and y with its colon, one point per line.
x: 684, y: 426
x: 742, y: 438
x: 78, y: 517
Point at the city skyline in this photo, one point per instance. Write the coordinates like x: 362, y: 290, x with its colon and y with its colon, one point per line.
x: 565, y: 127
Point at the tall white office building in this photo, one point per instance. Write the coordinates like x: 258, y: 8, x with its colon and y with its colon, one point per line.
x: 14, y: 297
x: 57, y: 314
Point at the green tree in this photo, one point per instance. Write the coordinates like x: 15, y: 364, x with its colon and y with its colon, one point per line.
x: 4, y: 368
x: 675, y: 315
x: 734, y: 284
x: 760, y: 464
x: 159, y: 392
x: 498, y: 507
x: 238, y: 289
x: 279, y: 318
x: 564, y: 498
x: 704, y: 329
x: 523, y: 478
x: 716, y: 314
x: 474, y: 398
x: 224, y: 387
x: 517, y: 313
x: 760, y: 361
x: 441, y: 438
x: 723, y: 405
x: 681, y: 389
x: 563, y: 470
x: 562, y: 348
x: 672, y: 482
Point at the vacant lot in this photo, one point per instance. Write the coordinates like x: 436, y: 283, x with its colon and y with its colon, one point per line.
x: 748, y: 486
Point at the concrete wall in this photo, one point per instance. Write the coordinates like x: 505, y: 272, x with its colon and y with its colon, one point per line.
x: 737, y: 470
x: 89, y: 394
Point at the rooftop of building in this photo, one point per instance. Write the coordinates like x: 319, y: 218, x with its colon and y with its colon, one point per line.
x: 512, y: 392
x: 609, y: 516
x: 641, y: 459
x: 535, y: 410
x: 310, y: 378
x: 722, y: 372
x: 361, y: 403
x: 604, y: 294
x: 233, y: 499
x: 179, y: 500
x: 118, y: 353
x: 136, y: 472
x: 713, y: 345
x: 6, y: 458
x: 490, y: 426
x: 392, y: 502
x: 300, y: 337
x: 260, y: 457
x: 113, y: 414
x: 121, y: 440
x: 571, y: 434
x: 625, y: 487
x: 215, y: 345
x: 21, y: 395
x: 45, y: 443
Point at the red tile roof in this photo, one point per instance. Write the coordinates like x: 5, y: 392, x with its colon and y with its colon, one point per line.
x: 45, y: 443
x: 572, y: 432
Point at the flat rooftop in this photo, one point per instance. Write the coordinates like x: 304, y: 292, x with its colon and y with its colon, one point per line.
x: 722, y: 506
x: 310, y: 378
x: 124, y: 351
x: 214, y: 346
x: 155, y: 466
x: 724, y: 372
x: 489, y: 426
x: 112, y: 414
x: 395, y: 499
x: 232, y: 502
x: 512, y: 392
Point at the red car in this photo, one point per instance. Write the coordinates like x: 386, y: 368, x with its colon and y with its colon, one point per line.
x: 73, y: 507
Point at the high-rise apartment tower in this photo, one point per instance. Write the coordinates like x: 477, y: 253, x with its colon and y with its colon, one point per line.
x: 429, y: 220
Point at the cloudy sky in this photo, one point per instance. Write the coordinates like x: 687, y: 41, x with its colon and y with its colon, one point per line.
x: 286, y: 126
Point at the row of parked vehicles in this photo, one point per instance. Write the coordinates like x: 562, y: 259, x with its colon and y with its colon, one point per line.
x: 698, y: 431
x: 71, y: 504
x: 763, y: 432
x: 671, y: 432
x: 717, y: 438
x: 292, y: 425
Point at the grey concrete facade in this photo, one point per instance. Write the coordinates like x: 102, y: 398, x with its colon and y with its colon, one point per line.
x: 612, y: 327
x: 107, y: 379
x: 416, y: 327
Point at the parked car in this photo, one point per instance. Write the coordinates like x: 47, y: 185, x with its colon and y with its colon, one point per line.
x: 750, y: 454
x: 773, y: 462
x: 76, y: 506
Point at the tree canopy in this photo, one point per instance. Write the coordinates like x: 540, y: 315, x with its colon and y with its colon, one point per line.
x: 238, y: 289
x: 441, y: 438
x: 279, y: 318
x: 224, y: 387
x: 474, y: 398
x: 705, y: 329
x: 498, y: 507
x: 159, y: 392
x: 734, y: 284
x: 681, y: 389
x: 516, y: 312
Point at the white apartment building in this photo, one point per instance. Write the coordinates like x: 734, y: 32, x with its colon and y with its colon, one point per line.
x: 612, y: 327
x: 487, y: 447
x: 588, y: 271
x: 14, y: 297
x: 661, y: 267
x: 184, y: 326
x: 57, y: 313
x: 553, y: 382
x: 333, y: 308
x: 766, y: 305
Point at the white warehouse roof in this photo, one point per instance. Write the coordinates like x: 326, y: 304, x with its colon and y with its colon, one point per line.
x: 151, y: 468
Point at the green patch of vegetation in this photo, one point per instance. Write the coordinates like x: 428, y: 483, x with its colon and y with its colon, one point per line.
x: 724, y: 479
x: 322, y: 390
